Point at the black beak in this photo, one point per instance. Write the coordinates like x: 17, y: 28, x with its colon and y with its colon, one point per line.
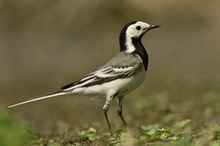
x: 149, y: 28
x: 154, y: 26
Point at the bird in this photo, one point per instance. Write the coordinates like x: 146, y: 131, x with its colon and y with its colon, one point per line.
x: 118, y: 77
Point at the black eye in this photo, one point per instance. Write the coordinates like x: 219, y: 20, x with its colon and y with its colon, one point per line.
x: 138, y: 27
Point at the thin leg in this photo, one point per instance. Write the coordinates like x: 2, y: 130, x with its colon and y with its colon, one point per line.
x: 106, y: 117
x: 105, y: 109
x: 119, y: 101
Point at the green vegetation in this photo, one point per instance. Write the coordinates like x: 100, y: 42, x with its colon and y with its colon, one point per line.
x: 186, y: 112
x: 12, y: 132
x: 180, y: 134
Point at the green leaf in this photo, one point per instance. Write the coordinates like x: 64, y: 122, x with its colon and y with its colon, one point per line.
x: 151, y: 132
x: 183, y: 123
x: 150, y: 127
x: 92, y: 130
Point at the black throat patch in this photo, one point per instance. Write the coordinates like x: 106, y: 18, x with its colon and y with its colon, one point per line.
x: 140, y: 50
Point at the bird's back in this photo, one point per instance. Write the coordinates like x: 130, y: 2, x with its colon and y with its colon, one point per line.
x: 122, y: 59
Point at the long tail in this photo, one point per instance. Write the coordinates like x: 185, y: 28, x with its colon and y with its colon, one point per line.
x: 48, y: 95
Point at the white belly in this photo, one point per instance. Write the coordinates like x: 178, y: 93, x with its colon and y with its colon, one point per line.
x: 126, y: 85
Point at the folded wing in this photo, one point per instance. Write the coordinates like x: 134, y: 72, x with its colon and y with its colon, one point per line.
x: 102, y: 75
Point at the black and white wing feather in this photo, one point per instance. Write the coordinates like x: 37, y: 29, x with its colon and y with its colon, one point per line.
x: 101, y: 76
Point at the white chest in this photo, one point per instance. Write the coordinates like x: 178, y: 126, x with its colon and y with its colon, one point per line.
x: 129, y: 84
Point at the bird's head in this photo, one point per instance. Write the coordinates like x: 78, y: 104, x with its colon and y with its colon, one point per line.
x: 133, y: 30
x: 137, y: 29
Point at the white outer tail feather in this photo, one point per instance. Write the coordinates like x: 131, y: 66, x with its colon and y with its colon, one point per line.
x: 48, y: 95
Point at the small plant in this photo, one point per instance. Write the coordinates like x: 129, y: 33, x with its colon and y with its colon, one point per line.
x: 89, y: 134
x: 154, y: 133
x: 183, y: 124
x: 116, y: 138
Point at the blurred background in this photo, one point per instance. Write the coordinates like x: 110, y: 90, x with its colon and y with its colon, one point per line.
x: 47, y: 44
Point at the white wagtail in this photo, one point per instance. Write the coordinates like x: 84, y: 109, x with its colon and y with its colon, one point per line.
x: 122, y: 74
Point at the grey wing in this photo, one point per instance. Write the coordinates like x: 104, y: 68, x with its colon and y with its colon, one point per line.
x: 100, y: 76
x: 111, y: 71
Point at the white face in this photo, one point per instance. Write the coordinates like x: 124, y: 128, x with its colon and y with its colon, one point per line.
x: 135, y: 30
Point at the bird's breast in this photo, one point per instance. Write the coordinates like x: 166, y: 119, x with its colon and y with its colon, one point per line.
x: 126, y: 85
